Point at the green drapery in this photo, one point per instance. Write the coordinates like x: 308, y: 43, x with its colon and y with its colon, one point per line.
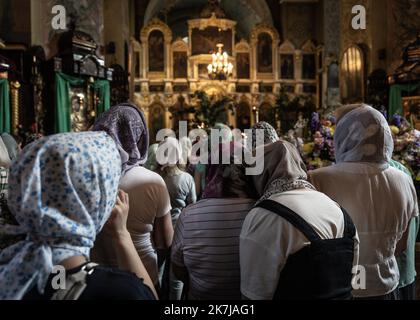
x: 63, y: 83
x: 103, y: 91
x: 395, y: 97
x: 62, y: 100
x: 4, y: 106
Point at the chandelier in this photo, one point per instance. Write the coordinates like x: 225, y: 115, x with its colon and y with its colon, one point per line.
x: 220, y: 68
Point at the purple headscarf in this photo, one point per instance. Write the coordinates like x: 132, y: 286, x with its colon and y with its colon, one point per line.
x: 126, y: 124
x: 216, y: 171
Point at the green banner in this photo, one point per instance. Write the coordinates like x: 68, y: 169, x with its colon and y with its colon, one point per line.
x: 63, y: 83
x: 4, y: 106
x: 395, y: 97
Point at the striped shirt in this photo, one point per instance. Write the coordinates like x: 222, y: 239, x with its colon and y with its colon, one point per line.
x: 206, y: 242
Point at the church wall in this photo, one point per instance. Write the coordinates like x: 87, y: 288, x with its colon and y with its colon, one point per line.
x: 15, y: 21
x: 90, y: 19
x: 117, y: 29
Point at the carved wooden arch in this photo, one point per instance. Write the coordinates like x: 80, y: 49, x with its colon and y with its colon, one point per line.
x: 265, y: 28
x: 287, y: 47
x: 179, y: 45
x: 156, y: 24
x: 309, y: 47
x: 242, y: 46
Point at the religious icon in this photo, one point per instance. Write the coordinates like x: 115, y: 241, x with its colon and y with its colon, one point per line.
x: 308, y: 66
x: 156, y: 52
x: 265, y: 53
x: 180, y: 65
x: 287, y: 66
x: 242, y: 60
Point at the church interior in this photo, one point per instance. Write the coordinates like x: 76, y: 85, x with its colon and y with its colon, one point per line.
x: 289, y: 63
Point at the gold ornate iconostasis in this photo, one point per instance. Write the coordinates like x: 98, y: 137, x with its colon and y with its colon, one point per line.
x: 163, y: 69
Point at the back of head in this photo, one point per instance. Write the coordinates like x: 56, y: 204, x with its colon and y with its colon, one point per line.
x: 227, y: 180
x: 282, y: 164
x: 363, y: 135
x: 126, y: 124
x: 62, y: 191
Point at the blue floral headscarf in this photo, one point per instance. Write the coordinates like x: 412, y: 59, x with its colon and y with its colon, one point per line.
x: 61, y: 192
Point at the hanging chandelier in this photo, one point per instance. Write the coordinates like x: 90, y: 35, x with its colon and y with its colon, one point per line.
x: 220, y: 68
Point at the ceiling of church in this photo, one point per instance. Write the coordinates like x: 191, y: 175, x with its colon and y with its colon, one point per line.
x: 247, y: 13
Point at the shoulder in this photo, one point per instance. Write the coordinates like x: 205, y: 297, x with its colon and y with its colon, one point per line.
x: 142, y: 177
x: 115, y: 284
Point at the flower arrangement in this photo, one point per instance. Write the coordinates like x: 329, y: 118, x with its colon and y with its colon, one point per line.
x: 317, y: 150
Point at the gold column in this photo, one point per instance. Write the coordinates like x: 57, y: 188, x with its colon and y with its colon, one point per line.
x: 14, y: 93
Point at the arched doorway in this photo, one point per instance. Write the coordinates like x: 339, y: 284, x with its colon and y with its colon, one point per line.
x: 353, y: 75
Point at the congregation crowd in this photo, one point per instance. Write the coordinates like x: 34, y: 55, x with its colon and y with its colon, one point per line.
x: 125, y: 224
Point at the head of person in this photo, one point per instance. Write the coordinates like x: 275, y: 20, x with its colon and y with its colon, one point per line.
x: 270, y: 134
x: 151, y: 163
x: 62, y: 191
x: 224, y: 133
x: 362, y: 135
x: 126, y: 124
x: 186, y: 151
x: 284, y: 170
x: 228, y: 180
x: 168, y: 156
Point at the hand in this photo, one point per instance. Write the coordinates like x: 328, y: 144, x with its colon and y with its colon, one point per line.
x: 117, y: 223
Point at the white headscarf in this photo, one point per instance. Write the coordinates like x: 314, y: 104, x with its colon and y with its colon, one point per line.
x: 4, y: 155
x: 284, y: 170
x: 169, y: 153
x: 363, y: 135
x: 61, y: 192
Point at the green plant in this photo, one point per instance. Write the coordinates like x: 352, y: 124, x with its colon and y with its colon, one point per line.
x: 211, y: 111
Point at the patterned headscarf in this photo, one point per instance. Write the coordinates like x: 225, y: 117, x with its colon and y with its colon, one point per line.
x: 270, y: 134
x: 62, y: 191
x: 284, y: 170
x: 126, y: 124
x: 363, y: 135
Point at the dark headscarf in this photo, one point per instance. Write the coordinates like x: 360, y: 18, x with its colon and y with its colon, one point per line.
x: 219, y: 174
x: 126, y: 124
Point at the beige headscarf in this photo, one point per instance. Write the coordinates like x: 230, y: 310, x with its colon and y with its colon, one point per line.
x: 284, y: 170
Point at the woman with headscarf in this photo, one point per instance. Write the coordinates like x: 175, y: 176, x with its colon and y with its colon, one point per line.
x: 63, y: 189
x: 380, y: 199
x: 290, y: 224
x: 149, y: 220
x: 270, y: 134
x: 205, y: 252
x: 181, y: 189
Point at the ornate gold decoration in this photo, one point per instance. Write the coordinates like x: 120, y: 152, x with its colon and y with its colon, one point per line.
x: 14, y: 90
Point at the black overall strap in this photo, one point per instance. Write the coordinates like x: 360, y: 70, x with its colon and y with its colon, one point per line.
x: 349, y: 227
x: 292, y: 217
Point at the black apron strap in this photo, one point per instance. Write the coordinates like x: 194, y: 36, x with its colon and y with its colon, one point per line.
x: 292, y: 217
x: 349, y: 227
